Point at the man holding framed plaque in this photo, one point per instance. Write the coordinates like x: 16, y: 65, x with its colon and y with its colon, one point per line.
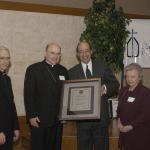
x: 93, y: 133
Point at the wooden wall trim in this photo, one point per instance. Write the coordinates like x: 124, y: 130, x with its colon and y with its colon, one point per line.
x: 137, y: 16
x: 17, y: 6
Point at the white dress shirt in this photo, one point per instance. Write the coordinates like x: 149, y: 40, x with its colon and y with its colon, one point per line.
x: 89, y: 67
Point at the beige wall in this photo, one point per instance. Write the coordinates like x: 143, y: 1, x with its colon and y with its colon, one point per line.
x: 26, y: 35
x: 141, y: 7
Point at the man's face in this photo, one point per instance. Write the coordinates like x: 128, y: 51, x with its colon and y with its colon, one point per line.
x: 53, y: 54
x: 4, y: 60
x: 84, y: 52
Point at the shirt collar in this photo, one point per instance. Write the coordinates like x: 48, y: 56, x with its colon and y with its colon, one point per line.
x: 48, y: 63
x: 89, y: 66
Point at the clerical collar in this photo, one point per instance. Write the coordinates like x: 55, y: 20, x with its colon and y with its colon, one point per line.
x: 49, y: 64
x: 2, y: 72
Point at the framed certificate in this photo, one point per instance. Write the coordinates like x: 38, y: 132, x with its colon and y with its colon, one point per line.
x: 80, y: 99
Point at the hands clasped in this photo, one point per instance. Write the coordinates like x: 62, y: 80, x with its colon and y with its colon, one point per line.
x: 123, y: 128
x: 2, y: 138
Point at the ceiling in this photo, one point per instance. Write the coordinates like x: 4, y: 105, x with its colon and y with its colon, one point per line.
x: 64, y: 3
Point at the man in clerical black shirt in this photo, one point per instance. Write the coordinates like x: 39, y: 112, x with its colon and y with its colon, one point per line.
x: 42, y: 89
x: 9, y: 127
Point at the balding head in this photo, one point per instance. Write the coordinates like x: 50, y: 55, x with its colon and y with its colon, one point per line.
x: 51, y: 45
x: 53, y: 53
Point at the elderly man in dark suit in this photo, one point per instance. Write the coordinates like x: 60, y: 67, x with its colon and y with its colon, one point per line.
x: 42, y: 89
x: 93, y: 134
x: 9, y: 127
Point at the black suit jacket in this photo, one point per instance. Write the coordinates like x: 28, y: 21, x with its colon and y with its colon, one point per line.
x: 42, y: 89
x: 8, y: 115
x: 99, y: 70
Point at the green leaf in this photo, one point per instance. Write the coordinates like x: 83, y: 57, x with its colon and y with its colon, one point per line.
x: 106, y: 32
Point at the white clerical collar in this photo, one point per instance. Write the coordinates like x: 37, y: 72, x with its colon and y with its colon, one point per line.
x: 49, y: 63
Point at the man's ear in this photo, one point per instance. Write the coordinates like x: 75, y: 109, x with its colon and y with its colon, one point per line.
x: 77, y: 56
x: 92, y: 55
x: 44, y: 54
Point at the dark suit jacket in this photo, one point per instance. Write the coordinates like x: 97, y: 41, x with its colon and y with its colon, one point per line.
x: 99, y: 70
x: 42, y: 89
x: 8, y: 115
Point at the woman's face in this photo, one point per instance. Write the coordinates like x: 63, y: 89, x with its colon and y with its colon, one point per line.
x: 132, y: 78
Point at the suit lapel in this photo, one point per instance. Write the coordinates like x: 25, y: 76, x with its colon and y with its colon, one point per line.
x: 81, y: 72
x: 46, y: 75
x: 95, y: 70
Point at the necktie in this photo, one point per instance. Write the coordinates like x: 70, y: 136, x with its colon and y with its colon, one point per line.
x: 88, y: 72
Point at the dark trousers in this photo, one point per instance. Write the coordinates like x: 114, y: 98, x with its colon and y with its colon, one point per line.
x: 59, y: 133
x: 43, y: 138
x: 91, y: 136
x: 9, y: 142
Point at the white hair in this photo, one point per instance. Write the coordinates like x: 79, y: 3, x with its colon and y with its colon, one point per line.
x: 3, y: 48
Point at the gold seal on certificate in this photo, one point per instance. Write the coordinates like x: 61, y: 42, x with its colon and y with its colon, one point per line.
x: 80, y: 99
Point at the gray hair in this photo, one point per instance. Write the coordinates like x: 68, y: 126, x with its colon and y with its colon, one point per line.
x: 83, y: 41
x: 134, y: 66
x: 3, y: 48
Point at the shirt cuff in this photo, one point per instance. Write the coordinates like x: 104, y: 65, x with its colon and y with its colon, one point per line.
x: 105, y: 89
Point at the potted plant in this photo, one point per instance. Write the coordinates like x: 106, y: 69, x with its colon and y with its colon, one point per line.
x: 106, y: 32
